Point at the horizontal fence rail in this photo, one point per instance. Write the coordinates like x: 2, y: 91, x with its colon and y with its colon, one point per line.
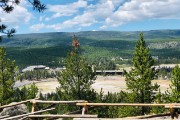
x: 62, y: 116
x: 126, y: 104
x: 14, y: 104
x: 81, y: 103
x: 25, y: 115
x: 58, y: 102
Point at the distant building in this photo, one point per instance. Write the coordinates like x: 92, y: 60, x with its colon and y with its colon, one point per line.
x: 60, y: 68
x: 35, y: 67
x: 109, y: 72
x: 165, y: 66
x: 47, y: 68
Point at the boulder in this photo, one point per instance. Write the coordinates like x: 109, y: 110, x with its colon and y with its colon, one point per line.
x: 14, y: 110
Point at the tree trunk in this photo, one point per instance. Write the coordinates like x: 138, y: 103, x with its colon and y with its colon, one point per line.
x: 142, y: 101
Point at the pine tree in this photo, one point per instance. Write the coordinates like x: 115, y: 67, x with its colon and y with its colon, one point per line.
x: 7, y: 78
x: 174, y: 93
x: 138, y: 80
x: 76, y: 80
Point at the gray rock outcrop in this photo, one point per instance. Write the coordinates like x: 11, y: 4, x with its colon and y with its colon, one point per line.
x: 14, y: 110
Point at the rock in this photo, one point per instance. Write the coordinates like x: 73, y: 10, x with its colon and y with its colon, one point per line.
x: 14, y: 110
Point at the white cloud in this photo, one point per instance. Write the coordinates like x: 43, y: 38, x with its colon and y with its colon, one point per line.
x: 19, y: 15
x: 65, y: 10
x: 136, y: 10
x: 93, y: 14
x: 109, y: 13
x: 37, y: 27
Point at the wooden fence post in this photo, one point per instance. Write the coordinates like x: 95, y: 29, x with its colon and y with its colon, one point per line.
x: 33, y: 106
x: 85, y: 108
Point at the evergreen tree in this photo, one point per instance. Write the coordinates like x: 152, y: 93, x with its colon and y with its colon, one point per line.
x: 76, y: 80
x: 174, y: 93
x: 25, y: 93
x: 7, y: 77
x: 138, y: 80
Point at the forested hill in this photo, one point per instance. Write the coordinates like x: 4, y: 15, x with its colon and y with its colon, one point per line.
x: 59, y: 38
x: 50, y: 48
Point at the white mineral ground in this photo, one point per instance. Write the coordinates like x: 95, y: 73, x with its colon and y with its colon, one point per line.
x: 107, y: 83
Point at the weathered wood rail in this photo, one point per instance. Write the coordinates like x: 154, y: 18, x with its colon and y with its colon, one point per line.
x: 17, y: 103
x: 82, y: 103
x: 28, y: 114
x: 62, y: 116
x: 171, y: 106
x: 34, y: 102
x: 122, y: 104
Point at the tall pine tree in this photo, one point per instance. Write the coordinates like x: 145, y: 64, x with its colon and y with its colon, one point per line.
x: 76, y: 80
x: 138, y: 80
x: 7, y: 78
x: 174, y: 93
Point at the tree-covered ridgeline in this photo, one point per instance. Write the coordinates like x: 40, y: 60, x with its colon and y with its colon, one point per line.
x: 43, y: 48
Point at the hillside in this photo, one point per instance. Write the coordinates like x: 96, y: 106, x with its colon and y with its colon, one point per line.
x: 50, y: 48
x: 59, y: 38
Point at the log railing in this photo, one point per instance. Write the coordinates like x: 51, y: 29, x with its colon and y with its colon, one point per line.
x: 33, y: 113
x: 171, y: 106
x: 84, y: 104
x: 34, y: 102
x: 14, y: 104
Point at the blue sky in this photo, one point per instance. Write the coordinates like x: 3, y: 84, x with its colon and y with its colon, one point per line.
x: 95, y: 15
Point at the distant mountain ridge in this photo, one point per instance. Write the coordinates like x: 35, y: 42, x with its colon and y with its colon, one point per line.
x: 51, y: 48
x: 59, y: 38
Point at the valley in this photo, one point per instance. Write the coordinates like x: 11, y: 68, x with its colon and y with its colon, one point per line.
x: 89, y: 59
x: 50, y: 49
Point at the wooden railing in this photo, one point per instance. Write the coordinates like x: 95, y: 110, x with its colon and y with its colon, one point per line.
x: 18, y: 103
x: 84, y: 104
x: 34, y: 102
x: 34, y: 113
x: 171, y: 106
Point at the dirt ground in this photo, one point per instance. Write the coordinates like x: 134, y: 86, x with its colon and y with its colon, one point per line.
x: 106, y: 83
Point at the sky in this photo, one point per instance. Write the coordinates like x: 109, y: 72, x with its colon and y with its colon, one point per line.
x: 94, y: 15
